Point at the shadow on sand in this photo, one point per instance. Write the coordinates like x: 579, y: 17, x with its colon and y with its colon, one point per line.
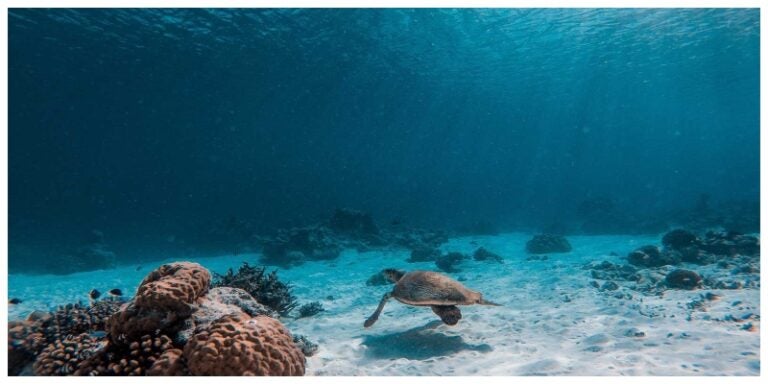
x: 419, y: 343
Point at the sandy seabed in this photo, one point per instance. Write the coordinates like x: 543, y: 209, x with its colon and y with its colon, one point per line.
x: 551, y: 322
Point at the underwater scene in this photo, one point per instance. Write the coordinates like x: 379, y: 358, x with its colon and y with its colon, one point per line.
x: 378, y: 192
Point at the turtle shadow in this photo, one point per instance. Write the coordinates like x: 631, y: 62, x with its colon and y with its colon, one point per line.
x: 419, y: 343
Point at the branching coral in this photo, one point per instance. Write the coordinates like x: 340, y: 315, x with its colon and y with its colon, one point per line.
x: 266, y: 288
x: 307, y: 347
x: 310, y: 309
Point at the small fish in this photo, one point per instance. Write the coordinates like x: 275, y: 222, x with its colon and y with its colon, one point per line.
x: 138, y: 268
x: 115, y: 292
x: 94, y: 294
x: 14, y: 301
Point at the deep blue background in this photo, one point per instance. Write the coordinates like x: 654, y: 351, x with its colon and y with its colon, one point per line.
x: 152, y: 124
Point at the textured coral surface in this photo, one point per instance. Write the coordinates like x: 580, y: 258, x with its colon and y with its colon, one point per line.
x: 62, y: 357
x: 174, y: 325
x: 173, y: 286
x: 240, y: 345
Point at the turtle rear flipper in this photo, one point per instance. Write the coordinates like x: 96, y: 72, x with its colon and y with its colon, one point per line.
x: 375, y: 315
x: 486, y: 302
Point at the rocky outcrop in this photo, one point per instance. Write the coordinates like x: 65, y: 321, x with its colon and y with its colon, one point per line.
x: 545, y: 243
x: 482, y: 254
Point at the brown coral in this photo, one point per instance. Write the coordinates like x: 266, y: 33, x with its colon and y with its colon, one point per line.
x: 132, y: 322
x: 241, y: 345
x: 164, y: 299
x: 70, y: 319
x: 62, y: 357
x: 25, y: 341
x: 170, y: 363
x: 100, y: 311
x: 133, y: 359
x: 173, y: 287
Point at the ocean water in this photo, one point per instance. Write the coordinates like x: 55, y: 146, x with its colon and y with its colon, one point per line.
x: 330, y: 144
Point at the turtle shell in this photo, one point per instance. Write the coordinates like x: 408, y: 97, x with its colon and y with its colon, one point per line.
x: 426, y: 288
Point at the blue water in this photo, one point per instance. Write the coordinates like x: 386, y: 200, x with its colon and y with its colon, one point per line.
x: 329, y: 144
x: 151, y: 125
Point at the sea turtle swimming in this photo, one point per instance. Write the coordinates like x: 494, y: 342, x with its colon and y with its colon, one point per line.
x: 428, y: 289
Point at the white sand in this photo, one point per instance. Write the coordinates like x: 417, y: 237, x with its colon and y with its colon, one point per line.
x: 552, y: 321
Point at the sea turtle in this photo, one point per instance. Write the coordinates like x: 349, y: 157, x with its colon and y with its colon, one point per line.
x: 429, y: 289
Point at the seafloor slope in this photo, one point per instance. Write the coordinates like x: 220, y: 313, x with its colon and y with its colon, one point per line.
x: 553, y: 320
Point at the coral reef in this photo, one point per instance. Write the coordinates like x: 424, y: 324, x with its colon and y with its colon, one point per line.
x: 310, y: 309
x: 609, y: 271
x: 28, y: 338
x: 236, y: 297
x: 482, y: 254
x: 70, y: 319
x: 423, y: 253
x: 418, y: 239
x: 652, y: 256
x: 219, y: 302
x: 738, y: 216
x: 164, y: 299
x: 25, y: 342
x: 546, y: 243
x: 294, y: 246
x: 682, y: 279
x: 173, y: 287
x: 730, y: 243
x: 170, y: 363
x: 100, y: 311
x: 679, y: 239
x: 174, y: 325
x: 267, y: 289
x: 684, y: 246
x: 307, y: 347
x: 447, y: 263
x: 63, y: 356
x: 132, y: 359
x: 244, y: 346
x: 345, y: 229
x: 654, y: 270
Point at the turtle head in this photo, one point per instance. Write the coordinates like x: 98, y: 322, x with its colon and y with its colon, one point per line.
x: 393, y: 275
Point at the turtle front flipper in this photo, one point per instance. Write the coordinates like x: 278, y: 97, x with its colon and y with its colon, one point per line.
x: 376, y: 314
x: 450, y: 314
